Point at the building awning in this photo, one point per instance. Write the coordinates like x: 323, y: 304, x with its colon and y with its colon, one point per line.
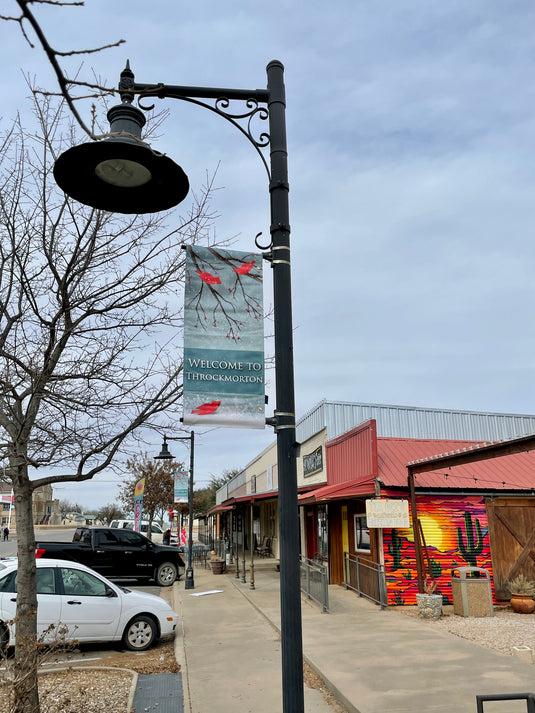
x: 219, y: 508
x: 342, y: 491
x: 249, y: 498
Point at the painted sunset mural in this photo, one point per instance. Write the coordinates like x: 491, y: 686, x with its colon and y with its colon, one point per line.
x: 456, y: 534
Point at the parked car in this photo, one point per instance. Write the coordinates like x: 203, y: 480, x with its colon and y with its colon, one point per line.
x: 117, y: 553
x: 156, y: 530
x: 76, y: 603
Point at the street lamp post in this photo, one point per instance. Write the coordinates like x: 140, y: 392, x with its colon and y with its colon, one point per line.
x: 166, y: 455
x: 123, y: 174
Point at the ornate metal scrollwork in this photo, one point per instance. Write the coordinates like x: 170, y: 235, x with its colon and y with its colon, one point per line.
x: 255, y: 111
x: 244, y: 121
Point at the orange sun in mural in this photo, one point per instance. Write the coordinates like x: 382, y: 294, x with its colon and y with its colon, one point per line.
x: 432, y: 532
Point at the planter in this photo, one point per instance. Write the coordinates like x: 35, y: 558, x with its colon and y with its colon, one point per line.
x: 429, y: 605
x: 217, y: 566
x: 522, y: 603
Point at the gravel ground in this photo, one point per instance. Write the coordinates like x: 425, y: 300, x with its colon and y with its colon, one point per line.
x: 93, y: 690
x: 500, y: 632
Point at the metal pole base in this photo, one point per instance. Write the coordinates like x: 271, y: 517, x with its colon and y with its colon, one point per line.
x: 189, y: 584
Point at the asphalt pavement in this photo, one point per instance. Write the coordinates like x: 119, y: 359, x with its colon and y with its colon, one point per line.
x: 372, y: 660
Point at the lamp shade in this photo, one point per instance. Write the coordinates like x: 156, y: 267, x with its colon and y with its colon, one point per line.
x: 121, y: 176
x: 164, y: 453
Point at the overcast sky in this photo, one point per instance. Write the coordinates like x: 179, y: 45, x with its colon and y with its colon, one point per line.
x: 411, y: 141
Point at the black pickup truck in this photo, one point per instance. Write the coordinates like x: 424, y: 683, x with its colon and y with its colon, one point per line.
x: 118, y: 553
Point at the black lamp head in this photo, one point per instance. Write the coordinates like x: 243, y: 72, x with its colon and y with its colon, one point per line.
x: 121, y: 174
x: 164, y: 453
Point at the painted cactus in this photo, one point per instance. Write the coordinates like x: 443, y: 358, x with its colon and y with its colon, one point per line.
x: 474, y: 540
x: 394, y: 549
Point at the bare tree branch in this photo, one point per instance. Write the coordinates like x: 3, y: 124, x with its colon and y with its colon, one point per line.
x: 65, y: 83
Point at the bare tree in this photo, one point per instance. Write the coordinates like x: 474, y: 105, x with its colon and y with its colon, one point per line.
x: 109, y: 512
x: 89, y: 317
x: 66, y: 507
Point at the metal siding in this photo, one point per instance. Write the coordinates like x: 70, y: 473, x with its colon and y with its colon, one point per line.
x: 413, y: 422
x: 352, y: 457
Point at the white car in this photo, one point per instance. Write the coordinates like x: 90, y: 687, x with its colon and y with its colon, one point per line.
x: 74, y: 603
x: 155, y: 528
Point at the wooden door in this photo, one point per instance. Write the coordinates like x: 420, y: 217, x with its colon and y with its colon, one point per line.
x: 512, y: 540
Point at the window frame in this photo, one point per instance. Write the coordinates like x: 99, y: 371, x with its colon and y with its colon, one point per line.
x: 358, y: 517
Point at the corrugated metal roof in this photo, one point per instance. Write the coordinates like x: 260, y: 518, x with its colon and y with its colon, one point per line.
x: 413, y: 422
x: 510, y: 472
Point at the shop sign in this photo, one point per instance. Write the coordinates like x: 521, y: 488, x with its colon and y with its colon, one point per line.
x: 387, y: 513
x: 313, y: 462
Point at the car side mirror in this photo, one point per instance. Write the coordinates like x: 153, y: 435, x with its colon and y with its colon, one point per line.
x: 110, y: 593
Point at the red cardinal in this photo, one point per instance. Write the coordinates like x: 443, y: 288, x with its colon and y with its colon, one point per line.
x: 206, y: 409
x: 245, y: 268
x: 209, y: 279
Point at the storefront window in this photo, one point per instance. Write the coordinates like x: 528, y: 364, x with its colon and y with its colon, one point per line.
x: 362, y: 534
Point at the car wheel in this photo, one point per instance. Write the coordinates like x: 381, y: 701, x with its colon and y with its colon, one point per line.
x: 166, y: 574
x: 140, y: 633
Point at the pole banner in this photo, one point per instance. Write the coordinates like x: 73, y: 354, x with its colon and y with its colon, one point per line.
x: 181, y: 486
x: 138, y: 511
x: 223, y: 339
x: 140, y: 487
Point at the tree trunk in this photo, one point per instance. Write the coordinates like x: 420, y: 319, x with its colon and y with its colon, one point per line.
x: 26, y: 695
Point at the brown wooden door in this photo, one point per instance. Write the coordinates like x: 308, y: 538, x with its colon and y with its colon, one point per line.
x: 512, y: 540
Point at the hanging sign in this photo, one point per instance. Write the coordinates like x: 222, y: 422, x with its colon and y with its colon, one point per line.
x: 387, y: 513
x: 223, y: 339
x: 181, y: 486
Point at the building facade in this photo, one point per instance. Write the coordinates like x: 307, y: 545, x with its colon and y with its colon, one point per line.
x: 352, y: 452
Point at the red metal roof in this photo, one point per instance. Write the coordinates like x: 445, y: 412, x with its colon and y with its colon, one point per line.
x: 509, y: 472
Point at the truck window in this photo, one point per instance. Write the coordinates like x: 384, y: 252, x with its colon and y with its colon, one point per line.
x: 132, y: 539
x: 107, y: 537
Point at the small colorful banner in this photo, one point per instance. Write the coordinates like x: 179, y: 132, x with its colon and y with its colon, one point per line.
x: 224, y: 381
x: 181, y: 486
x: 140, y: 487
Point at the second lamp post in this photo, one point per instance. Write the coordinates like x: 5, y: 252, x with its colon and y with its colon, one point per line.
x: 166, y: 455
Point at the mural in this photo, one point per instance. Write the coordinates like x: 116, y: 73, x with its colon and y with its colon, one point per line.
x: 456, y: 534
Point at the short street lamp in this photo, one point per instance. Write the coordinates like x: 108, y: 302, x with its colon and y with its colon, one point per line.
x: 123, y: 174
x: 166, y: 455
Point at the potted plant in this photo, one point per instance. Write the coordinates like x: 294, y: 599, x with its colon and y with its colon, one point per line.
x: 521, y: 590
x: 217, y: 564
x: 429, y: 603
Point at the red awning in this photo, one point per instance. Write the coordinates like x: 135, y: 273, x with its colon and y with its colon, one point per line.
x: 340, y: 491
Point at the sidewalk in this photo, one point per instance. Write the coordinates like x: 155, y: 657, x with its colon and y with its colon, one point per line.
x: 373, y: 661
